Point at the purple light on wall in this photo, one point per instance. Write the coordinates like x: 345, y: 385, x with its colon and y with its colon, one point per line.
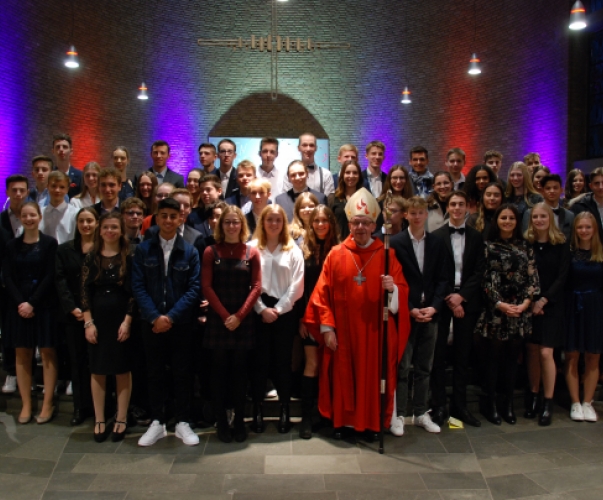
x: 384, y: 127
x: 175, y: 120
x: 13, y: 97
x: 545, y: 124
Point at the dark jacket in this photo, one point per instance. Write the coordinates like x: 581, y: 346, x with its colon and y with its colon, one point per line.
x: 98, y: 207
x: 433, y: 281
x: 41, y: 279
x: 588, y: 204
x: 232, y: 188
x: 68, y: 278
x: 287, y: 201
x: 170, y: 176
x: 367, y: 184
x: 198, y: 219
x: 6, y: 225
x: 473, y: 266
x: 175, y: 295
x: 250, y: 223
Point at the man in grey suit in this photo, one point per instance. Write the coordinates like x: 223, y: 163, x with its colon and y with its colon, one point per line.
x: 551, y: 191
x: 160, y: 154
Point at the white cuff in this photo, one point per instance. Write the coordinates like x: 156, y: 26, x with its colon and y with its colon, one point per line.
x: 393, y: 300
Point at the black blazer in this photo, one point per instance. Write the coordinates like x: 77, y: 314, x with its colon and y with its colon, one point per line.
x: 6, y: 225
x: 98, y: 208
x: 250, y: 223
x: 68, y: 278
x: 170, y: 176
x: 287, y: 201
x: 232, y: 188
x: 367, y: 184
x: 473, y: 266
x: 433, y: 282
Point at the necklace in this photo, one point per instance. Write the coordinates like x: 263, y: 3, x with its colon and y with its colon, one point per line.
x: 359, y: 279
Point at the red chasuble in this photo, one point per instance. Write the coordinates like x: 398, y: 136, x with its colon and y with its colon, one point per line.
x: 350, y: 377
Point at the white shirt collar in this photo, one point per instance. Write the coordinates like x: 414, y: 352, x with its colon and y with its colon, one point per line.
x: 415, y: 239
x: 368, y: 244
x: 60, y: 208
x: 168, y: 243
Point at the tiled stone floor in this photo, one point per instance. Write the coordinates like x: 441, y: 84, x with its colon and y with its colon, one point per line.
x: 56, y: 461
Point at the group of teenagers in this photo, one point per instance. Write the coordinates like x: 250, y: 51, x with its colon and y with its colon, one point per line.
x: 237, y: 276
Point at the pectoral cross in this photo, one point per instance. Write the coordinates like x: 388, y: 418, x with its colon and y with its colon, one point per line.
x: 273, y: 43
x: 359, y: 279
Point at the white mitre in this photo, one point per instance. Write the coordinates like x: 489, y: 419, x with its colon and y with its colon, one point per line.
x: 362, y: 203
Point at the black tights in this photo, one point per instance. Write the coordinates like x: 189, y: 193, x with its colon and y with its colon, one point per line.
x: 229, y: 381
x: 505, y: 352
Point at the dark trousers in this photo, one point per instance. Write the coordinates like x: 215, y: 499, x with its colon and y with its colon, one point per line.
x: 272, y: 354
x: 229, y: 382
x: 461, y: 352
x: 419, y: 353
x: 174, y: 348
x: 140, y: 385
x: 77, y: 347
x: 505, y: 353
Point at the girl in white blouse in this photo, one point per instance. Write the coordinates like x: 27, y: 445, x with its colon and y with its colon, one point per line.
x: 282, y: 286
x: 89, y: 195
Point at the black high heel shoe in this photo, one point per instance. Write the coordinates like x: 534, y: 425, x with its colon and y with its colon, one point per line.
x: 99, y: 437
x: 118, y: 436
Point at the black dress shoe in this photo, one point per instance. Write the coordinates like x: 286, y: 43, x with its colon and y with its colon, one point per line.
x: 531, y: 405
x: 508, y: 413
x: 340, y: 433
x: 369, y: 436
x: 239, y: 432
x: 466, y: 417
x: 546, y: 416
x: 257, y: 424
x: 284, y: 425
x: 223, y: 433
x: 305, y: 428
x: 439, y: 415
x: 79, y: 416
x: 491, y: 412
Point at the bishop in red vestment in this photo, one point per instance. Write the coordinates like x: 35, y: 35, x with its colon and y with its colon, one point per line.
x: 345, y: 314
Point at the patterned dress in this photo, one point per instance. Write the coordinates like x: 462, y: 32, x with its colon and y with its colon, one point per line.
x: 510, y: 277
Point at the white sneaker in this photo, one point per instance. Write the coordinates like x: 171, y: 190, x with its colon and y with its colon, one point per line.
x: 184, y: 432
x: 271, y: 394
x: 590, y: 415
x: 69, y: 390
x: 10, y: 384
x: 397, y: 426
x: 425, y: 422
x: 577, y: 413
x: 154, y: 433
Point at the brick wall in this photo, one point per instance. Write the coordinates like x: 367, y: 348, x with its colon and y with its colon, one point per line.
x: 518, y: 104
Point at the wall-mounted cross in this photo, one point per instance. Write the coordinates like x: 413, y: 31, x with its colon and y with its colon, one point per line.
x: 273, y: 43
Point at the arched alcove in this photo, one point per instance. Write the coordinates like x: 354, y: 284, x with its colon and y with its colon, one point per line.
x: 257, y: 115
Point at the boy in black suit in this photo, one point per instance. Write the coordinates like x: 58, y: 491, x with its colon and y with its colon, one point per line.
x: 424, y: 266
x: 465, y: 255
